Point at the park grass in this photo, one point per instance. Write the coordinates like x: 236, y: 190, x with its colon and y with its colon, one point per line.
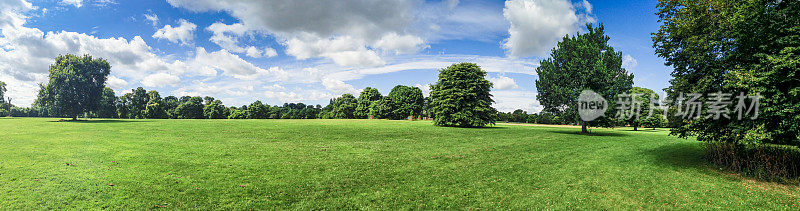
x: 359, y: 164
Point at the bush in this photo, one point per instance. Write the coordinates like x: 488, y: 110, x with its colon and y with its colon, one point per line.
x: 764, y: 161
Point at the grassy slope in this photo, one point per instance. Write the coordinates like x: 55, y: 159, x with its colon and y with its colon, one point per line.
x: 358, y: 164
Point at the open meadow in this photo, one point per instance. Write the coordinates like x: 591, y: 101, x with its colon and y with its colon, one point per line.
x: 359, y: 164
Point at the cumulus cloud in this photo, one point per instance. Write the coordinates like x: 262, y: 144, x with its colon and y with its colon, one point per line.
x: 628, y: 62
x: 183, y: 33
x: 537, y: 25
x: 116, y: 83
x: 510, y: 100
x: 339, y: 87
x: 233, y: 65
x: 160, y: 80
x: 502, y: 82
x: 318, y: 29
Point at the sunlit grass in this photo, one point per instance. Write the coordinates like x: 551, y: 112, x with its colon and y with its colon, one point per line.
x: 370, y: 164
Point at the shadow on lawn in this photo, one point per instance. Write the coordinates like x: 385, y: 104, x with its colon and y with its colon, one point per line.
x: 99, y: 121
x: 591, y: 133
x: 681, y: 155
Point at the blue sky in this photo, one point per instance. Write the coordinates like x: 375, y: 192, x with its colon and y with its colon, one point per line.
x: 310, y: 51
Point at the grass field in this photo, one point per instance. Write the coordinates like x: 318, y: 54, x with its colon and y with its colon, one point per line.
x: 361, y: 164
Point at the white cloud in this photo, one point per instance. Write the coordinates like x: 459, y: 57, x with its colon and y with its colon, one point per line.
x: 628, y: 62
x: 338, y: 86
x: 537, y: 25
x: 400, y: 44
x: 160, y: 80
x: 183, y: 33
x: 426, y: 89
x: 116, y: 83
x: 502, y: 82
x: 343, y: 31
x: 510, y: 100
x: 233, y: 65
x: 302, y: 96
x: 153, y: 18
x: 76, y: 3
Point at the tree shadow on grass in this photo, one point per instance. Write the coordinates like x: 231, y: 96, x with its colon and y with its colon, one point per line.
x: 100, y: 121
x: 592, y: 133
x: 680, y: 155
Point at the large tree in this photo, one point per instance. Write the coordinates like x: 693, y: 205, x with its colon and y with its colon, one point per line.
x: 582, y: 62
x: 344, y: 107
x: 739, y: 46
x: 215, y: 110
x: 192, y: 108
x: 461, y: 97
x: 108, y: 104
x: 75, y: 85
x: 409, y: 101
x: 365, y: 100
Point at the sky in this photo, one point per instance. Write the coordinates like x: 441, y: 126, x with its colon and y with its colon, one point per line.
x: 310, y: 51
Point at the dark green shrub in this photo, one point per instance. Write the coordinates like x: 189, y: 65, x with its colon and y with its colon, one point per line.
x: 764, y: 161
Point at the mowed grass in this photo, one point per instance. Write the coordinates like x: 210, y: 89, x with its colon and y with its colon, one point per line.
x: 359, y: 164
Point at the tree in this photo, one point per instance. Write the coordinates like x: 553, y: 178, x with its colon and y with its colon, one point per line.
x: 155, y: 106
x: 2, y: 93
x: 136, y: 103
x: 344, y: 107
x: 461, y: 97
x: 365, y: 100
x: 215, y: 110
x: 582, y: 62
x: 383, y: 108
x: 236, y: 113
x: 108, y: 104
x: 640, y: 103
x: 409, y: 101
x: 170, y: 106
x: 257, y: 110
x: 75, y: 85
x: 191, y: 109
x: 735, y: 47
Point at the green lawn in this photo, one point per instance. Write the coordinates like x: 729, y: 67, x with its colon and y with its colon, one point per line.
x: 359, y: 164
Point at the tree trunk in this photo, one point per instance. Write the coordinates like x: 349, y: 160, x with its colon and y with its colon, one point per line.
x: 583, y: 128
x: 75, y: 118
x: 635, y: 128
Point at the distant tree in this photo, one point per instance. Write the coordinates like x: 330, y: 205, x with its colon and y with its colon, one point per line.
x: 409, y: 101
x: 108, y: 104
x: 581, y: 62
x: 155, y: 106
x: 461, y: 97
x: 215, y: 110
x: 137, y: 103
x: 365, y: 100
x: 2, y: 93
x: 170, y: 106
x: 383, y: 109
x: 257, y: 110
x: 344, y: 107
x: 191, y: 109
x: 75, y: 85
x: 236, y: 113
x: 640, y: 106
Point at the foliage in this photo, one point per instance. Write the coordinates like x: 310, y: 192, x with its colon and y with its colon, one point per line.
x: 215, y: 110
x: 581, y: 62
x: 257, y: 110
x: 108, y: 104
x: 461, y: 97
x: 192, y: 108
x: 735, y: 47
x: 343, y: 107
x: 408, y: 101
x: 365, y: 100
x: 75, y: 85
x: 383, y: 109
x: 764, y: 161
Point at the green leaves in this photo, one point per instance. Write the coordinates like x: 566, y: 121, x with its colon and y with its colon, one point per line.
x: 582, y: 61
x: 461, y: 97
x: 75, y: 85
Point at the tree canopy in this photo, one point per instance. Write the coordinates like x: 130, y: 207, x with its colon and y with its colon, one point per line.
x: 365, y: 100
x: 75, y: 85
x: 461, y: 97
x: 582, y: 62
